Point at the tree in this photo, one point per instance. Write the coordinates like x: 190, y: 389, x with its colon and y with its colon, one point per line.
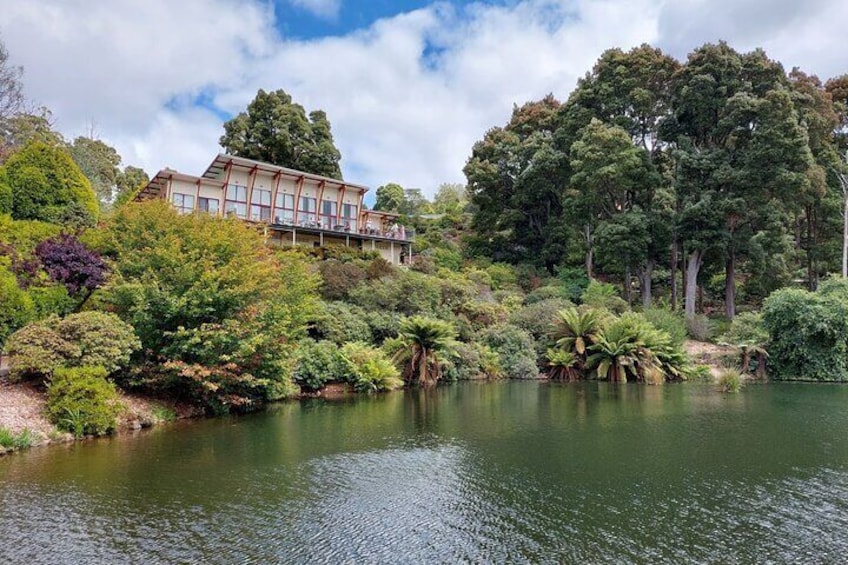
x: 99, y: 163
x: 47, y: 185
x: 743, y: 156
x: 610, y: 177
x: 11, y: 87
x: 276, y: 130
x: 218, y: 313
x: 19, y: 130
x: 450, y: 198
x: 128, y: 184
x: 516, y: 180
x: 390, y: 198
x: 422, y: 345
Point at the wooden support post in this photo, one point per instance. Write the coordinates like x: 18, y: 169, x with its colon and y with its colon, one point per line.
x: 196, y: 206
x: 321, y: 186
x: 251, y: 179
x: 297, y: 191
x: 229, y: 168
x: 277, y: 178
x: 339, y: 202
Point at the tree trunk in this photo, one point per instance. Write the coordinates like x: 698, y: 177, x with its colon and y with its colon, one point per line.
x: 628, y: 290
x: 730, y: 285
x: 692, y: 268
x: 645, y: 274
x: 673, y: 269
x: 746, y: 360
x: 587, y: 233
x: 761, y: 366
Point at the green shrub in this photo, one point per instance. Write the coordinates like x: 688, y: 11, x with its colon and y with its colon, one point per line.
x: 699, y: 327
x: 339, y: 279
x: 603, y: 296
x: 83, y: 339
x: 369, y: 369
x: 548, y: 293
x: 47, y: 185
x: 104, y: 339
x: 574, y: 281
x: 37, y: 350
x: 447, y: 258
x: 340, y: 322
x: 516, y: 350
x: 472, y: 361
x: 670, y: 322
x: 379, y: 268
x: 16, y: 306
x: 81, y: 401
x: 730, y: 381
x: 51, y: 300
x: 809, y: 334
x: 502, y: 276
x: 318, y: 363
x: 408, y: 293
x: 234, y: 365
x: 383, y: 325
x: 483, y: 314
x: 538, y: 317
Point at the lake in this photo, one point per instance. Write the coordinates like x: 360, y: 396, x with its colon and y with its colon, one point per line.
x: 475, y: 472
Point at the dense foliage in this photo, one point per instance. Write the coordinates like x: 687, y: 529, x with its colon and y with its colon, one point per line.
x: 85, y: 339
x: 45, y: 184
x: 82, y: 401
x: 275, y: 129
x: 808, y: 332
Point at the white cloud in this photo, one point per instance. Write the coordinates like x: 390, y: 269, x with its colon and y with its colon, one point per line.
x: 322, y: 8
x: 407, y: 96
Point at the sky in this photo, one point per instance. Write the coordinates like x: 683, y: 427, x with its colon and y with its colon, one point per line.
x: 408, y: 85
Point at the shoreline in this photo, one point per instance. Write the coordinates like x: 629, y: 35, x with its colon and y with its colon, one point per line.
x: 22, y: 404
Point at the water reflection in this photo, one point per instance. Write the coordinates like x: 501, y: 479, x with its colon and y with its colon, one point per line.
x: 502, y: 472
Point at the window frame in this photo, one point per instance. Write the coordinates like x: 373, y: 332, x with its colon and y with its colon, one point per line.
x: 235, y: 204
x: 181, y: 207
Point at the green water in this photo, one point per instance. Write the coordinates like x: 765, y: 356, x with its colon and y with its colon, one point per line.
x: 504, y: 472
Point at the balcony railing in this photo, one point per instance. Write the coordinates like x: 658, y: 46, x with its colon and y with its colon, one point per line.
x: 398, y: 232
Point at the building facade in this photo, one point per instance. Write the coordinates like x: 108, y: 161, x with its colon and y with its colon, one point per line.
x: 296, y: 208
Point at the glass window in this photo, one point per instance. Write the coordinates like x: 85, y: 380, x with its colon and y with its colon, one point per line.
x: 306, y: 211
x: 236, y: 202
x: 184, y: 203
x: 349, y: 216
x: 237, y: 208
x: 260, y: 208
x: 208, y: 205
x: 261, y: 197
x: 328, y: 214
x: 237, y: 193
x: 284, y: 208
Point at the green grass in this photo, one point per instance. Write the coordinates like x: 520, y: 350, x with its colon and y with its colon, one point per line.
x: 11, y: 440
x: 730, y: 381
x: 163, y: 414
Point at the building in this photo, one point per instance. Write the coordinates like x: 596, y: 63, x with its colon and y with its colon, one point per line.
x: 297, y: 208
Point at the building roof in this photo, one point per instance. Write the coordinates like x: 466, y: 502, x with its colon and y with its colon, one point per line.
x: 214, y: 175
x: 218, y: 166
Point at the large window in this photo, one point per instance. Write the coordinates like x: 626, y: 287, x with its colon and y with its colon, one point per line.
x: 284, y: 208
x: 260, y: 205
x: 328, y: 214
x: 184, y: 203
x: 349, y: 217
x: 306, y: 211
x: 236, y: 202
x: 208, y: 205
